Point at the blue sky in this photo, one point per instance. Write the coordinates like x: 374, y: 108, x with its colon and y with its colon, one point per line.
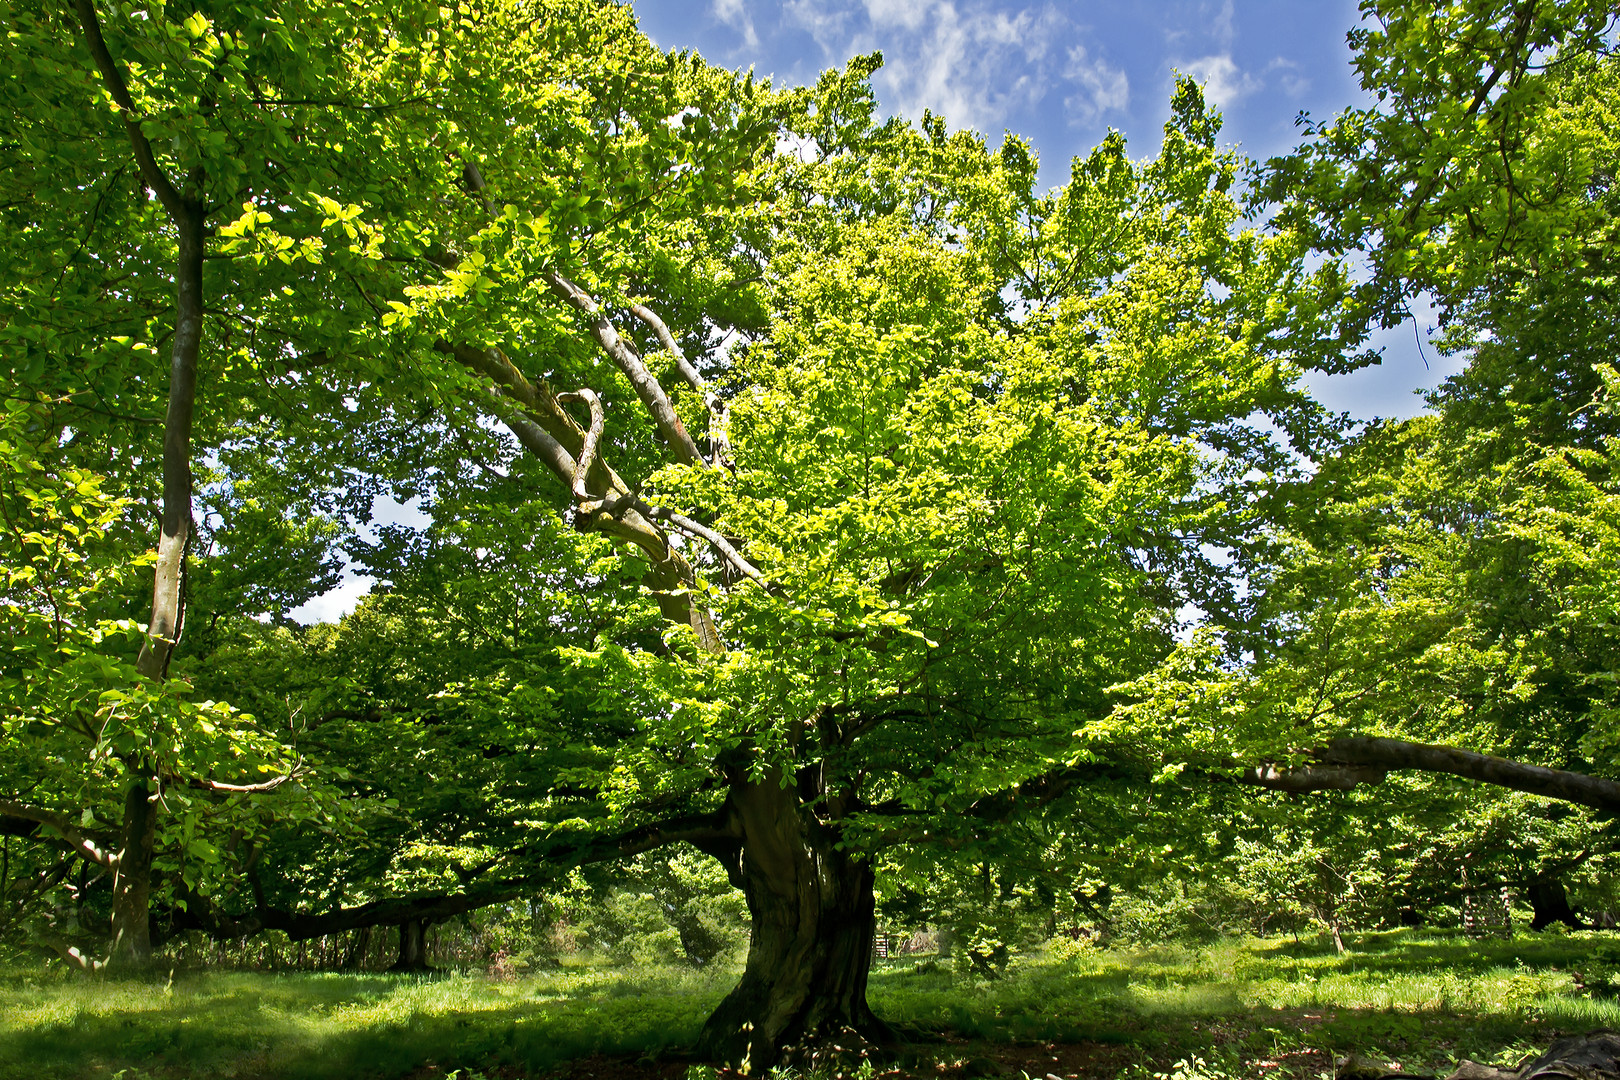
x: 1062, y: 73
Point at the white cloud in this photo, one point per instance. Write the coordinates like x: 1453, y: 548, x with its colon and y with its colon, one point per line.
x: 734, y: 13
x: 1102, y: 87
x: 1294, y: 83
x: 1224, y: 28
x: 973, y: 64
x: 1224, y: 82
x: 827, y: 25
x: 904, y: 13
x: 329, y: 607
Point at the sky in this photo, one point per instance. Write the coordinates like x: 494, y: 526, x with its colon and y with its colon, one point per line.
x: 1061, y: 74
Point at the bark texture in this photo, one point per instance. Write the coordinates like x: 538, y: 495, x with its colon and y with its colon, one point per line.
x: 132, y: 882
x: 811, y: 950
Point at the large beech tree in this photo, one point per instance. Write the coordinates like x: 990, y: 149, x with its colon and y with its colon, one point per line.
x: 886, y: 476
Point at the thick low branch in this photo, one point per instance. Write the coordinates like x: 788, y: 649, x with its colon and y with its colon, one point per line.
x: 1305, y: 778
x: 83, y: 844
x: 1357, y: 759
x: 694, y: 828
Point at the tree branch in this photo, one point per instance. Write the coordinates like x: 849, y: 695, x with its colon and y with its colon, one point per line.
x: 718, y: 542
x: 83, y: 845
x: 694, y: 828
x: 151, y: 173
x: 647, y: 388
x: 588, y: 450
x: 719, y: 411
x: 1350, y: 760
x: 661, y: 330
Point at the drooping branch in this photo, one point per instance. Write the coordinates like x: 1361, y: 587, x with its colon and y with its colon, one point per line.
x: 647, y: 388
x: 1342, y: 764
x: 700, y: 829
x: 83, y: 843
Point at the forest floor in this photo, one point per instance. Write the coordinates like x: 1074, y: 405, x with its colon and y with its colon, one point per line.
x: 1235, y: 1010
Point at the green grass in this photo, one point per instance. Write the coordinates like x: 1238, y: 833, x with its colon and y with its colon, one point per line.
x: 1425, y: 1001
x: 1245, y: 1008
x: 253, y: 1025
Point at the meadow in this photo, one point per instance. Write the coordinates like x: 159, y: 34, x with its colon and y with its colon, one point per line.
x: 1237, y: 1008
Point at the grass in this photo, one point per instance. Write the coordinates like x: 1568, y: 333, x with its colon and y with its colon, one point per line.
x: 1238, y: 1008
x: 339, y: 1027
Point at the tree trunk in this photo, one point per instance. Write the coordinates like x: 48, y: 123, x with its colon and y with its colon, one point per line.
x: 132, y: 882
x: 811, y: 948
x: 412, y: 946
x: 168, y: 597
x: 1550, y: 904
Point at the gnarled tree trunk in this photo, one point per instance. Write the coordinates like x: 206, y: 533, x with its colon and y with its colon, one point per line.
x: 811, y: 950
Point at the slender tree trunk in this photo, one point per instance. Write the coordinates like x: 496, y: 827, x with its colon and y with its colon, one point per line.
x: 132, y: 882
x: 168, y: 611
x: 811, y: 950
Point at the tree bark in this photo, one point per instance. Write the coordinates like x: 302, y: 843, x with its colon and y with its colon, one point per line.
x: 811, y: 950
x: 412, y: 946
x: 1351, y: 760
x: 132, y: 882
x: 168, y: 600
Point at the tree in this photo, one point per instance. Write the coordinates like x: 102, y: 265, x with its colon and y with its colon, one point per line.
x: 962, y: 490
x: 1431, y: 582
